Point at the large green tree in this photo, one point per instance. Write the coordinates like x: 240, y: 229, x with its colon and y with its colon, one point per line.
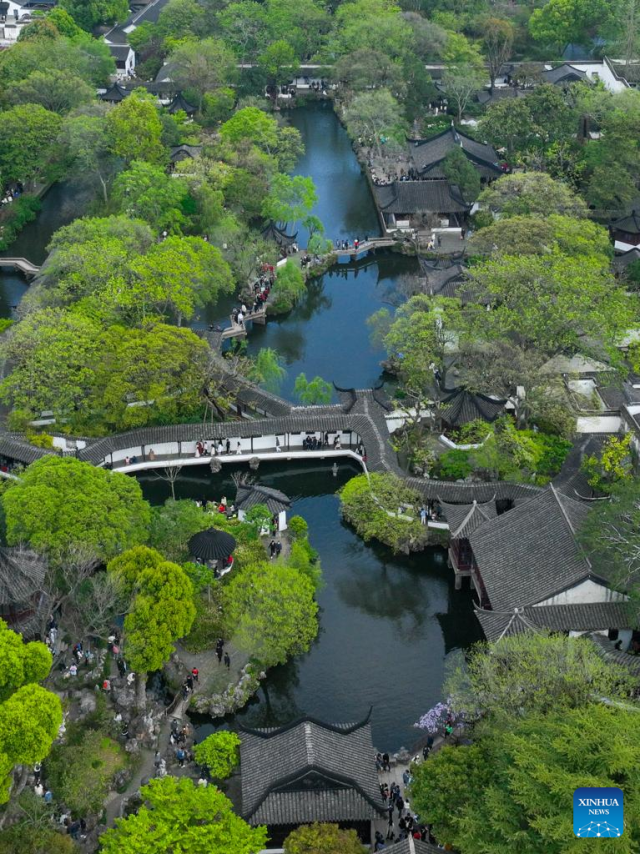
x: 161, y: 612
x: 271, y: 611
x: 28, y: 142
x: 20, y: 663
x: 89, y: 13
x: 552, y: 672
x: 527, y: 773
x: 562, y: 22
x: 550, y: 303
x: 176, y: 816
x: 136, y: 130
x: 53, y: 90
x: 538, y: 235
x: 145, y: 191
x: 60, y: 502
x: 201, y: 67
x: 531, y: 193
x: 374, y: 117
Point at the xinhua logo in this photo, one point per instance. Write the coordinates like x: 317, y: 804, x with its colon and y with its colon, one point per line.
x: 598, y: 812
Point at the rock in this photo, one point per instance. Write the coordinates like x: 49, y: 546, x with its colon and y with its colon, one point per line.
x: 88, y: 702
x: 121, y: 779
x: 132, y: 745
x: 215, y: 465
x: 254, y: 463
x: 123, y: 696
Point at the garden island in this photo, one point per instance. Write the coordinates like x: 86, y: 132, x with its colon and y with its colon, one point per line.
x: 320, y: 424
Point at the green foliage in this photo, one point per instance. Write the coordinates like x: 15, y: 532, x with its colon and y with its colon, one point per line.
x: 178, y: 815
x: 271, y: 612
x: 549, y: 303
x: 52, y: 90
x: 89, y: 13
x: 287, y: 290
x: 312, y: 392
x: 267, y: 369
x: 454, y: 465
x: 374, y: 117
x: 527, y: 773
x: 278, y: 61
x: 60, y: 503
x: 145, y: 191
x: 260, y: 516
x: 322, y: 839
x: 20, y: 663
x: 219, y: 752
x: 531, y: 193
x: 24, y: 839
x: 172, y: 526
x: 542, y: 235
x: 562, y: 22
x: 40, y: 440
x: 136, y: 130
x: 610, y: 535
x: 81, y: 773
x: 28, y: 142
x: 162, y: 610
x: 382, y: 507
x: 202, y: 67
x: 290, y: 199
x: 21, y: 211
x: 534, y: 674
x: 612, y: 465
x: 29, y: 721
x: 297, y: 527
x: 474, y: 432
x: 304, y: 558
x: 459, y: 170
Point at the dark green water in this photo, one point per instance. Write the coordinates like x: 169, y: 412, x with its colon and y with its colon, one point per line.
x: 387, y: 624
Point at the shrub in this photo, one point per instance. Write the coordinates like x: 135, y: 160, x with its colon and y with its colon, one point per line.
x: 40, y: 440
x: 454, y: 465
x: 219, y: 753
x: 81, y: 774
x: 474, y: 432
x: 21, y: 211
x: 298, y: 527
x: 5, y: 323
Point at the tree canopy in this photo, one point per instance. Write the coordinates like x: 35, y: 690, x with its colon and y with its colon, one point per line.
x: 322, y: 839
x: 178, y: 815
x: 60, y: 502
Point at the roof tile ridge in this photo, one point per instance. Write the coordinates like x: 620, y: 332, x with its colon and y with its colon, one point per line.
x: 565, y: 516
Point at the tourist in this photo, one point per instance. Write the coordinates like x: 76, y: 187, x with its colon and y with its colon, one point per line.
x: 180, y: 756
x: 195, y: 673
x: 228, y: 446
x: 239, y: 447
x: 240, y: 319
x: 278, y: 548
x: 38, y: 789
x: 106, y: 685
x: 189, y: 682
x: 73, y: 670
x: 220, y: 448
x: 278, y: 448
x: 423, y: 515
x: 227, y: 660
x: 219, y: 646
x: 272, y: 549
x: 386, y: 763
x: 48, y: 797
x: 406, y: 777
x: 151, y: 454
x: 379, y: 843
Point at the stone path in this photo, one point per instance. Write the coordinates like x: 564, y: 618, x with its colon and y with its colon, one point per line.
x: 213, y: 676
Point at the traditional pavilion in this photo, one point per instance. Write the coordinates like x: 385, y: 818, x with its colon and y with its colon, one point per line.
x: 115, y: 94
x: 184, y: 152
x: 400, y: 201
x: 310, y: 771
x: 625, y: 231
x: 427, y: 155
x: 529, y: 569
x: 564, y: 75
x: 446, y: 278
x: 180, y: 103
x: 459, y: 406
x: 488, y: 97
x: 279, y: 235
x: 414, y: 846
x: 22, y: 574
x: 251, y: 494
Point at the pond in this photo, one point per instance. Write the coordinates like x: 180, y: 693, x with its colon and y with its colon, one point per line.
x: 388, y: 624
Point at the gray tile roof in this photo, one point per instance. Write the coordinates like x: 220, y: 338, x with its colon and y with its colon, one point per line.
x: 621, y: 262
x: 608, y: 651
x: 249, y: 495
x: 410, y: 197
x: 459, y: 406
x: 465, y: 518
x: 21, y: 575
x: 18, y: 449
x: 629, y: 223
x: 582, y: 617
x: 531, y: 553
x: 309, y: 771
x: 563, y: 74
x: 444, y: 281
x: 466, y: 492
x: 428, y: 153
x: 503, y: 93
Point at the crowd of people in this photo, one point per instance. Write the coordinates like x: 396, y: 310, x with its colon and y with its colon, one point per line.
x: 346, y: 244
x: 11, y: 193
